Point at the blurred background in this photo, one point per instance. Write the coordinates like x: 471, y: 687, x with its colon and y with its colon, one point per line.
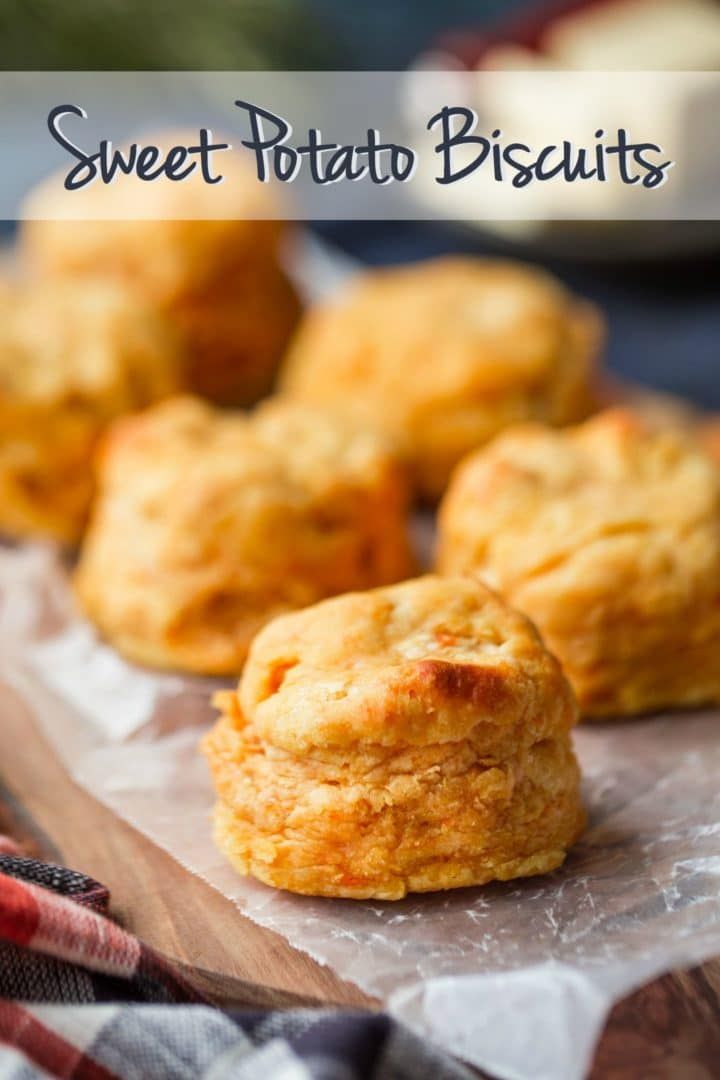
x: 661, y: 292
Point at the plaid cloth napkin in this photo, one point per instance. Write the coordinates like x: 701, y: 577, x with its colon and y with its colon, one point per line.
x: 81, y: 998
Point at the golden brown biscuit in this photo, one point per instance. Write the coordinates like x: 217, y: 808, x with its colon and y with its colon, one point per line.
x: 709, y: 432
x: 236, y: 334
x: 445, y: 354
x: 72, y: 357
x: 206, y: 256
x: 209, y: 523
x: 656, y: 409
x: 608, y: 537
x: 406, y: 739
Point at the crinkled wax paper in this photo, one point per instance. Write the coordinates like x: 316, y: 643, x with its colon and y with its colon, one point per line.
x: 515, y: 978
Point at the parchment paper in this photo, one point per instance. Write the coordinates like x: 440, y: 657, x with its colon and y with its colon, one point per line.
x: 515, y: 978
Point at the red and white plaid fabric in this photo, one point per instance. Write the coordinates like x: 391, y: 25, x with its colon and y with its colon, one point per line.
x: 38, y: 919
x: 82, y: 998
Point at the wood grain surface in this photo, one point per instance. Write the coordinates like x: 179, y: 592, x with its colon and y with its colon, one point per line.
x: 669, y: 1029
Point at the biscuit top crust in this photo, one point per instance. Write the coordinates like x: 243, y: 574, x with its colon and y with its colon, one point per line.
x: 187, y: 452
x: 609, y: 501
x: 450, y: 324
x: 433, y: 660
x: 92, y: 345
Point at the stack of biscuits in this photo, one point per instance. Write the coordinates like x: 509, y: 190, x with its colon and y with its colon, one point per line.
x: 405, y: 739
x: 389, y: 733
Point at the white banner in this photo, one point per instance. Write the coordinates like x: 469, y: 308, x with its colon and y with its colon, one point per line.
x: 481, y: 146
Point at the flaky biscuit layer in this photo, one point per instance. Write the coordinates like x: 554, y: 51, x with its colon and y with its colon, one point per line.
x: 608, y: 536
x: 445, y: 354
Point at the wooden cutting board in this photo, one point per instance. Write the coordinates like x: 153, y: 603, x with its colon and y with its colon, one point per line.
x: 669, y: 1029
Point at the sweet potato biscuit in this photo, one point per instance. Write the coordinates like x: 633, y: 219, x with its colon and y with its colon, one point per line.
x: 608, y: 537
x: 72, y: 357
x: 657, y: 409
x: 236, y: 334
x: 411, y: 738
x: 213, y: 269
x: 445, y: 354
x: 209, y: 523
x: 709, y: 431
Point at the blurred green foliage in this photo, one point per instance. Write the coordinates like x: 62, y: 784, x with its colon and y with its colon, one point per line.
x: 144, y: 35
